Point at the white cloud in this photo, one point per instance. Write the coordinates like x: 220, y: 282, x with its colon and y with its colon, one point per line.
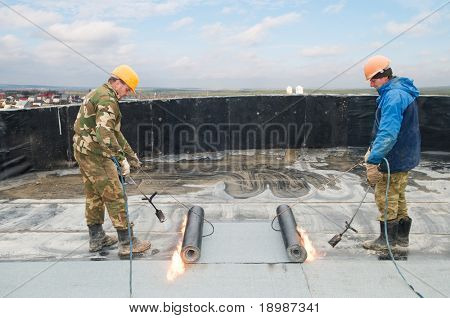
x: 53, y: 53
x: 167, y: 7
x: 425, y: 53
x: 417, y: 4
x: 11, y: 19
x: 126, y: 49
x: 423, y: 28
x: 317, y: 51
x: 375, y: 44
x: 82, y: 35
x: 9, y: 41
x: 184, y: 62
x: 233, y: 10
x: 118, y: 9
x: 11, y: 48
x: 335, y: 8
x: 446, y: 60
x: 181, y: 23
x: 230, y: 35
x: 256, y: 33
x: 58, y: 57
x: 396, y: 28
x: 213, y: 30
x: 378, y: 16
x: 426, y: 71
x: 107, y: 46
x: 135, y: 32
x: 227, y: 10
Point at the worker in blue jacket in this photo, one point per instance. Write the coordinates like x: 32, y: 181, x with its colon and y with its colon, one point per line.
x: 396, y: 137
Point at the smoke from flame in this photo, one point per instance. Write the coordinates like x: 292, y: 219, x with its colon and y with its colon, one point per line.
x: 313, y: 254
x: 177, y: 266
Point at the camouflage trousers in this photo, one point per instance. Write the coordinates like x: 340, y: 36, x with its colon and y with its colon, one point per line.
x: 102, y: 188
x: 396, y: 197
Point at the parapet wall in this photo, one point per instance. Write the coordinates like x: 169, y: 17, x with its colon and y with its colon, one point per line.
x: 41, y: 138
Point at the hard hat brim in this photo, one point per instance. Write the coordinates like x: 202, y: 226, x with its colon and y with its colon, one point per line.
x: 369, y: 78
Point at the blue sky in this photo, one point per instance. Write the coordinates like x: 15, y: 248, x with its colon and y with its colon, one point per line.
x: 222, y: 44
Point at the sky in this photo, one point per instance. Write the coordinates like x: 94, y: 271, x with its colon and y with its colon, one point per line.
x: 248, y: 44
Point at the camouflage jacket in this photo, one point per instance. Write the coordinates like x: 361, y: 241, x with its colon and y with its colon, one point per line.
x: 97, y: 127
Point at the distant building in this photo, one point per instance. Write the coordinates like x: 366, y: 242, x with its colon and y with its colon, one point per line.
x: 25, y: 99
x: 9, y: 100
x: 289, y: 90
x: 23, y: 104
x: 56, y: 99
x: 76, y: 99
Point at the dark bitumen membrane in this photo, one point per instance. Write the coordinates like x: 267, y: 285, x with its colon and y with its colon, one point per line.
x: 42, y: 221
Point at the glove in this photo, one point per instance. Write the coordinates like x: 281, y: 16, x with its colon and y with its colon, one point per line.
x: 366, y: 156
x: 135, y: 162
x: 125, y: 167
x: 373, y: 174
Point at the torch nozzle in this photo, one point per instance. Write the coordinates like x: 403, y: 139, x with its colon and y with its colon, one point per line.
x: 160, y: 215
x: 335, y: 240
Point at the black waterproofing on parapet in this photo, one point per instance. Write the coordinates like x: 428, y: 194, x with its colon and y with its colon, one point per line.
x: 41, y: 138
x: 291, y: 237
x: 38, y: 139
x: 193, y: 234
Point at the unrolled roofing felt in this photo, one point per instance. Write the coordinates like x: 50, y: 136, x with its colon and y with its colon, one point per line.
x: 44, y: 242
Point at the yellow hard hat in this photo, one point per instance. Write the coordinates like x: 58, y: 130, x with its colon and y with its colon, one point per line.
x: 376, y: 64
x: 128, y: 75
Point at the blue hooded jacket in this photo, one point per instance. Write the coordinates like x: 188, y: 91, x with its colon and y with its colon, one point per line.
x: 396, y: 128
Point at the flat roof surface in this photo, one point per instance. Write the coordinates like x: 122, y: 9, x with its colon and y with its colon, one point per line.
x: 44, y: 239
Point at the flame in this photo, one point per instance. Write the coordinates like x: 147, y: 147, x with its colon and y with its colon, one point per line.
x: 313, y: 254
x: 177, y: 266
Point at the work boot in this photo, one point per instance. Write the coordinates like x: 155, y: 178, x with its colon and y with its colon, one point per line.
x: 124, y: 243
x: 98, y: 238
x: 404, y: 225
x: 379, y: 244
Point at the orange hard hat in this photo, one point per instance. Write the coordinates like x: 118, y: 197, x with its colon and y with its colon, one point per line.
x: 376, y: 64
x: 128, y: 75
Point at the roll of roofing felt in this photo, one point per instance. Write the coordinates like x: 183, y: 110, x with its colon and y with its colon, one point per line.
x: 192, y: 240
x: 291, y: 237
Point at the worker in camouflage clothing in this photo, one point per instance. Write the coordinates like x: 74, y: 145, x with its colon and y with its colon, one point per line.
x: 97, y: 140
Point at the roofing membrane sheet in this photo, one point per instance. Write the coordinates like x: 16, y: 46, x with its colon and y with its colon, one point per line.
x: 44, y: 240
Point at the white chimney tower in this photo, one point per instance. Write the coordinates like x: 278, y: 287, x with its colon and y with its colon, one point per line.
x: 289, y: 90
